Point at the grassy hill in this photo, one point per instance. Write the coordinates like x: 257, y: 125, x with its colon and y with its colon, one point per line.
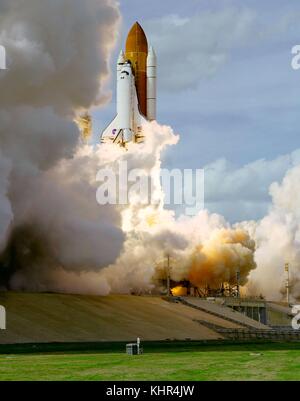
x: 34, y: 318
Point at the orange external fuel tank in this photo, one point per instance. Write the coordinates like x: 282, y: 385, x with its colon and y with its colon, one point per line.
x: 137, y: 51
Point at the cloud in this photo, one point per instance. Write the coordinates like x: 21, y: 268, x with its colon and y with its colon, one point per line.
x: 194, y: 48
x: 241, y: 193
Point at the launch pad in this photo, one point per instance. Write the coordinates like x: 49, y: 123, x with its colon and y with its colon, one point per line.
x: 225, y: 295
x: 186, y: 288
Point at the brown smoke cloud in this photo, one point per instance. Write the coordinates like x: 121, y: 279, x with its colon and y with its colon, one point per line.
x: 219, y: 258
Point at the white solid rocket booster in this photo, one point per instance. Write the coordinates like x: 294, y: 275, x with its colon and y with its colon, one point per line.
x: 151, y: 85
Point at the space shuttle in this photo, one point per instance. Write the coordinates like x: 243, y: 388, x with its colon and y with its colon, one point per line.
x: 136, y: 90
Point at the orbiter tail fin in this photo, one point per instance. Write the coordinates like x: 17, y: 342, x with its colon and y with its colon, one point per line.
x: 112, y: 134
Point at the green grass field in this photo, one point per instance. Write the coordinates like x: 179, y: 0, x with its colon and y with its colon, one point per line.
x: 175, y: 362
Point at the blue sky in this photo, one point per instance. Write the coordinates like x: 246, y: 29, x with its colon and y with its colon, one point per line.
x: 227, y: 87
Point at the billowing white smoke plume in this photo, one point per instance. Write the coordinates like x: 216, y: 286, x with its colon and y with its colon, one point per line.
x: 204, y: 249
x: 53, y: 234
x: 5, y: 208
x: 57, y: 51
x: 57, y: 63
x: 278, y: 240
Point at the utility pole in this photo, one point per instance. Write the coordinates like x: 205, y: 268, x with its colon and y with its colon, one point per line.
x: 168, y: 276
x: 287, y: 283
x: 238, y: 275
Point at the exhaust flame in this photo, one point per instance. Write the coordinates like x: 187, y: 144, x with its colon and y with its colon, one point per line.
x: 178, y: 291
